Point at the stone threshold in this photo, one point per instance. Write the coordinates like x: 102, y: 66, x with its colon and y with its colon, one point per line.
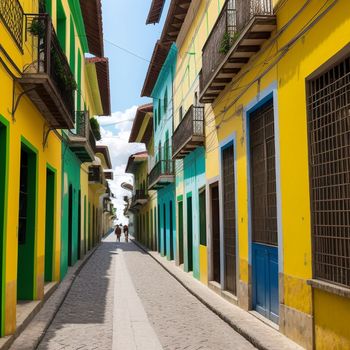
x: 258, y: 333
x: 26, y: 311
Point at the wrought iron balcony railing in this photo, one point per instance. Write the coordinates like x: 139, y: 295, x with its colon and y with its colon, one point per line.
x: 96, y: 174
x: 190, y: 133
x: 48, y: 79
x: 83, y: 142
x: 11, y: 15
x: 109, y: 175
x: 242, y: 27
x: 162, y: 174
x: 140, y: 196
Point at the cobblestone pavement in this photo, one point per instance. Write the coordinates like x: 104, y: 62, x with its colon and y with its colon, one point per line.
x: 179, y: 319
x: 147, y: 294
x: 85, y: 320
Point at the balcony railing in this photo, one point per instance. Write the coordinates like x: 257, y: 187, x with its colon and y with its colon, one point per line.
x: 239, y: 32
x: 162, y: 174
x: 83, y: 142
x: 96, y: 174
x: 140, y: 196
x: 11, y: 15
x: 48, y: 79
x: 190, y: 133
x: 109, y: 175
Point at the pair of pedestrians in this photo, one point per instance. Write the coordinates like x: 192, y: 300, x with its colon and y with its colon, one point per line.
x: 118, y: 232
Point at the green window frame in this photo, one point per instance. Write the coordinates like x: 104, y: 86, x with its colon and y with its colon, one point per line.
x: 61, y: 25
x: 50, y: 222
x: 27, y: 222
x: 79, y: 81
x: 72, y: 46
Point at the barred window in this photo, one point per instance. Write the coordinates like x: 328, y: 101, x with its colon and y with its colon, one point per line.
x: 329, y: 143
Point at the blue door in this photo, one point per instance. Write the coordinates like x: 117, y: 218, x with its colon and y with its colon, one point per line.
x: 264, y: 212
x: 265, y: 281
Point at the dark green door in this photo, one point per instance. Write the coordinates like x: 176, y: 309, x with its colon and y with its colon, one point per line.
x: 49, y: 225
x: 164, y: 230
x: 70, y: 225
x: 171, y: 235
x: 189, y: 235
x: 79, y: 226
x: 181, y: 232
x: 158, y: 231
x: 26, y: 224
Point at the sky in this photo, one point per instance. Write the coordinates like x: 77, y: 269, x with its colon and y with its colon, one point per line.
x: 129, y: 45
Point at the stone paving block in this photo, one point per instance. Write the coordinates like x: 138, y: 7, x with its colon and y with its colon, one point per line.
x: 261, y: 335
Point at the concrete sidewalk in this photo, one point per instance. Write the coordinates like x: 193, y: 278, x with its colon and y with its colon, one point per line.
x: 132, y: 329
x: 255, y: 331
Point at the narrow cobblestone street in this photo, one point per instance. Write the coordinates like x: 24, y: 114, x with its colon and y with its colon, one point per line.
x: 122, y: 299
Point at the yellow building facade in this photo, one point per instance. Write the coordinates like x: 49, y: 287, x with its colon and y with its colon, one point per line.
x: 22, y: 130
x: 41, y: 94
x: 143, y: 204
x: 268, y: 69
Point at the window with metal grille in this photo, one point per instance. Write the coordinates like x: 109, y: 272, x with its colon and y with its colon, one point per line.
x: 329, y: 158
x: 263, y: 175
x: 228, y: 174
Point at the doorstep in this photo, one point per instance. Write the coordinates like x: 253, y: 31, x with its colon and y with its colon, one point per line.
x: 28, y: 311
x: 260, y: 334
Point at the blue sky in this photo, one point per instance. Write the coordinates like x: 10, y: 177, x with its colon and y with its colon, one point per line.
x: 124, y: 26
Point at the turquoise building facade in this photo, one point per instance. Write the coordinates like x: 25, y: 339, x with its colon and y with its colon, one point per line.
x: 191, y: 187
x: 162, y: 95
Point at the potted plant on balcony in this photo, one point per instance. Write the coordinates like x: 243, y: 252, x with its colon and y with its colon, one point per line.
x: 37, y: 28
x: 95, y: 127
x: 227, y: 42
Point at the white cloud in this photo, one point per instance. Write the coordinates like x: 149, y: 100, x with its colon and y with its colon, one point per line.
x: 115, y: 132
x: 119, y: 121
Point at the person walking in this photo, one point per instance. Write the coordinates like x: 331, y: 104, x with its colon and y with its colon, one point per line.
x: 126, y: 233
x: 118, y: 232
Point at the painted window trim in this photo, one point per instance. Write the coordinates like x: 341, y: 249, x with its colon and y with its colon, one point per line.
x: 28, y: 144
x: 54, y: 170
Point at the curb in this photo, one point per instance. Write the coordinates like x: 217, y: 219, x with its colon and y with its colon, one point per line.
x: 68, y: 280
x: 255, y: 341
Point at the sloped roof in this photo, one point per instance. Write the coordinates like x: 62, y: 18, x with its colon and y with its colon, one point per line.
x: 105, y: 151
x: 159, y: 56
x: 140, y: 114
x: 92, y: 15
x: 176, y: 16
x: 155, y: 11
x: 102, y: 71
x: 135, y: 158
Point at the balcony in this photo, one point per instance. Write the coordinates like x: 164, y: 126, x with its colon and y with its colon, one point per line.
x: 190, y: 133
x: 47, y: 80
x: 239, y: 33
x: 161, y: 175
x: 96, y: 175
x: 83, y: 142
x: 109, y: 175
x: 139, y: 199
x: 11, y: 15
